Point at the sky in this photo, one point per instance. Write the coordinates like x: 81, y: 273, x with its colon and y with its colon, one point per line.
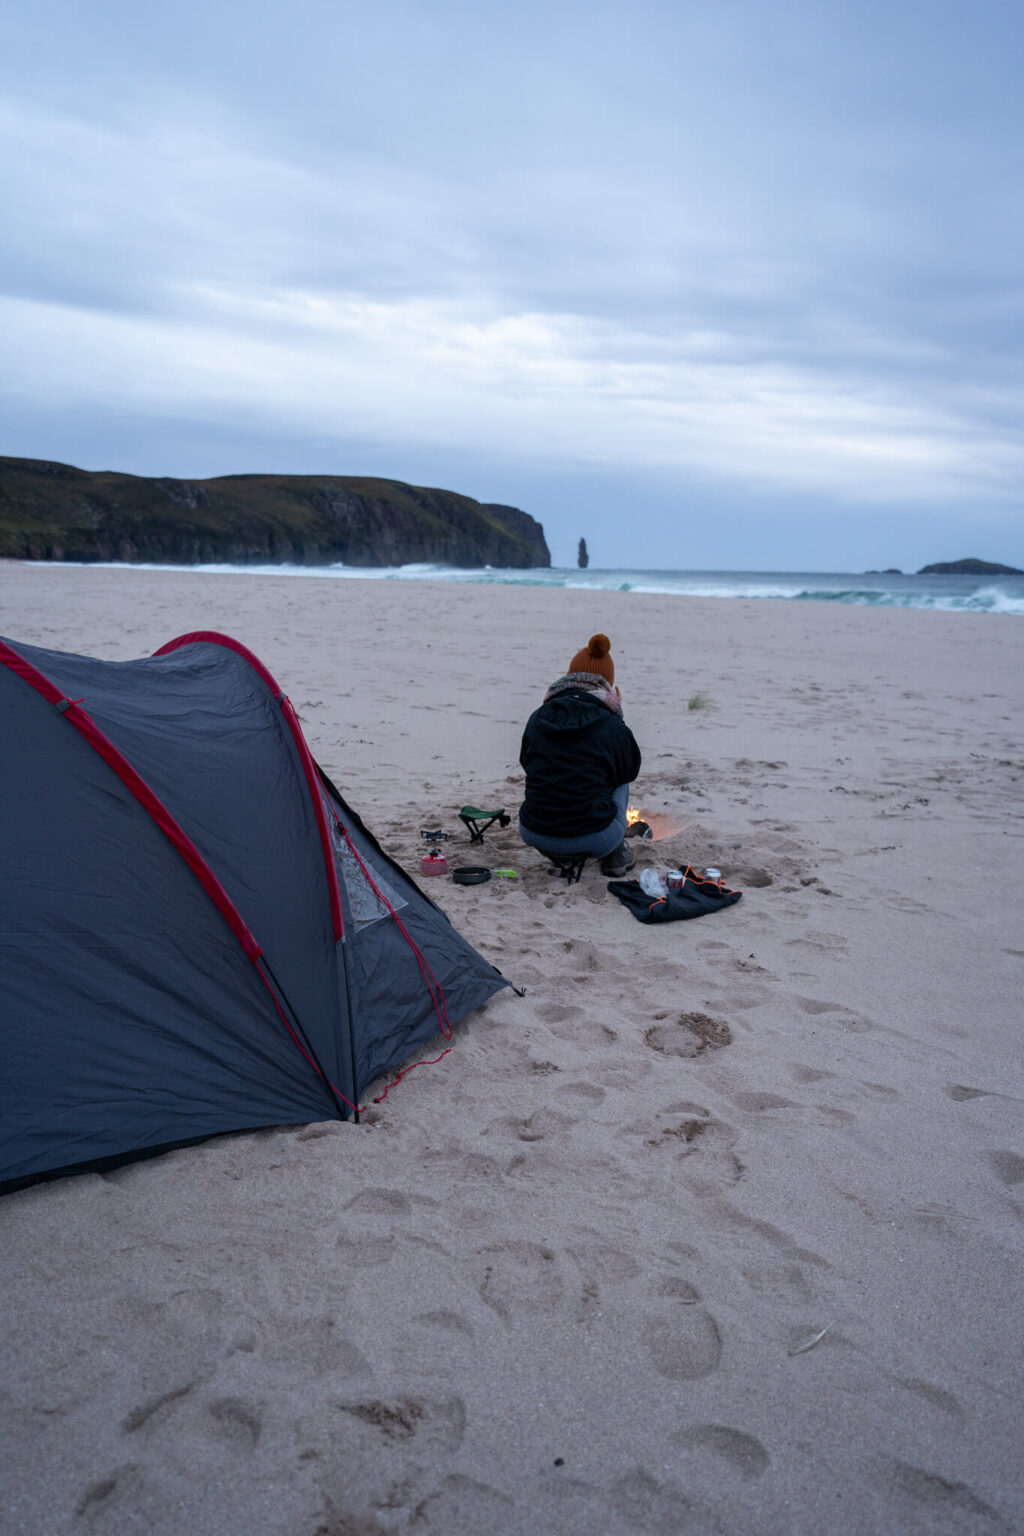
x: 729, y: 286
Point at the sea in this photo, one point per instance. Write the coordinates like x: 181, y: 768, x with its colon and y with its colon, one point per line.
x: 951, y: 594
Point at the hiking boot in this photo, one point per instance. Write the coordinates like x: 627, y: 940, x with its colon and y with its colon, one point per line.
x: 618, y: 863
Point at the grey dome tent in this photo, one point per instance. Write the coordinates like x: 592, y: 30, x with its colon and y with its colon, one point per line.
x: 197, y: 934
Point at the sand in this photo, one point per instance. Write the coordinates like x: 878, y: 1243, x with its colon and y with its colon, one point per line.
x: 717, y: 1229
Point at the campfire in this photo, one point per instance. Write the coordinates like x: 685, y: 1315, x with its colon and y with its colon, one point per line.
x: 636, y: 826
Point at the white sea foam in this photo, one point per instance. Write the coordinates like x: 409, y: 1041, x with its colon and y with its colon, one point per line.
x: 951, y: 594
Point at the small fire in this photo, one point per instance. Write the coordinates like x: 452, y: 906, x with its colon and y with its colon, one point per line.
x: 632, y: 815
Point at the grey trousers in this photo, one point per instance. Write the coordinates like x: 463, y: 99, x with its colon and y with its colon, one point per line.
x: 597, y: 844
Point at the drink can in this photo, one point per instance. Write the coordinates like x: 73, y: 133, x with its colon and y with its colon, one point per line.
x: 713, y: 874
x: 675, y: 879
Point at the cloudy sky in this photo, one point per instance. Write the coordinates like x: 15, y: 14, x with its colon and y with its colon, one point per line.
x: 728, y: 285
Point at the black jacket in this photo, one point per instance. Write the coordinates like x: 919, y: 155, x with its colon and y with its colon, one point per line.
x: 575, y: 751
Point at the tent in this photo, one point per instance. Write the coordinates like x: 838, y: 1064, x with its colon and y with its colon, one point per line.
x: 197, y: 934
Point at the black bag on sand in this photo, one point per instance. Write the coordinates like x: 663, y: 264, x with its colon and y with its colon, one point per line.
x: 695, y: 899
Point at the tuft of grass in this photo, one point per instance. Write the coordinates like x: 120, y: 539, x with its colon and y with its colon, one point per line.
x: 699, y: 701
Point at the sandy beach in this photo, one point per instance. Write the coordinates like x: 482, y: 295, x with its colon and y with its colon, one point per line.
x: 715, y: 1230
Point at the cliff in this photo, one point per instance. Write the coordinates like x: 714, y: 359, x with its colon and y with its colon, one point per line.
x: 56, y: 512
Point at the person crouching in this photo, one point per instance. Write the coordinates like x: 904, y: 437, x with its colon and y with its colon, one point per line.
x: 580, y: 758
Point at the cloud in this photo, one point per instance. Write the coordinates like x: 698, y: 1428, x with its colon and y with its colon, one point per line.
x: 762, y: 252
x: 566, y: 388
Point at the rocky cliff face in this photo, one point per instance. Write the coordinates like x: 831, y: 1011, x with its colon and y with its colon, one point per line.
x: 56, y: 512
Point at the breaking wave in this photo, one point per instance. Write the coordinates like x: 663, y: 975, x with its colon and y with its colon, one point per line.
x: 952, y: 594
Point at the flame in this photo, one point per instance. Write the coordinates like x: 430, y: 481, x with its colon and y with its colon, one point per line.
x: 632, y: 814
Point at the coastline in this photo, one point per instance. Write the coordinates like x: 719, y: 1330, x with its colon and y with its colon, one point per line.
x: 568, y: 1278
x: 1001, y: 595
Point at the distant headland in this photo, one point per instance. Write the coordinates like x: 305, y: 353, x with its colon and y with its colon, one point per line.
x: 969, y: 566
x: 51, y: 511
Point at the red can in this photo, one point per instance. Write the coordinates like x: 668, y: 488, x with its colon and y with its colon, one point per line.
x: 675, y: 879
x: 434, y: 864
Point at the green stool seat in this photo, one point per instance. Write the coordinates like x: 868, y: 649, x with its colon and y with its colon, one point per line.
x: 477, y: 821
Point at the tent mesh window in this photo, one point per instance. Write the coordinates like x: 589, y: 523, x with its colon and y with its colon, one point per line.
x: 364, y: 903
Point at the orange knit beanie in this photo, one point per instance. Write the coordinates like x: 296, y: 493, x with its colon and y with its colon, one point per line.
x: 595, y: 658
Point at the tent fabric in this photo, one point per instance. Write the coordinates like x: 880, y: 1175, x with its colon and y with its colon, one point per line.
x: 141, y: 1009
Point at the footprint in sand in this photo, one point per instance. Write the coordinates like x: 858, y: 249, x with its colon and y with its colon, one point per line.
x: 467, y: 1167
x: 450, y: 1322
x: 703, y: 1143
x: 922, y: 1499
x: 852, y: 1023
x: 688, y: 1035
x: 459, y: 1503
x: 881, y: 1091
x: 1009, y: 1166
x: 809, y: 1074
x: 779, y: 1279
x: 237, y: 1421
x: 382, y: 1202
x: 568, y: 1023
x: 684, y: 1344
x: 678, y: 1289
x: 656, y: 1509
x: 294, y: 1347
x: 832, y: 944
x: 748, y: 876
x: 114, y: 1495
x: 725, y: 1447
x: 937, y: 1396
x: 751, y: 994
x: 154, y: 1410
x: 557, y: 1013
x: 759, y: 1102
x: 587, y: 1091
x: 596, y: 1260
x: 785, y: 1248
x: 814, y: 1005
x: 366, y: 1251
x: 544, y: 1122
x: 581, y: 955
x: 520, y: 1277
x: 437, y: 1424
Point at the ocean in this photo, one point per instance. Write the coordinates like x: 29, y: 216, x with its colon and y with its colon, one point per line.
x: 953, y: 594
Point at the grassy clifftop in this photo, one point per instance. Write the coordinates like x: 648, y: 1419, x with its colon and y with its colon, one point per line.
x: 52, y: 511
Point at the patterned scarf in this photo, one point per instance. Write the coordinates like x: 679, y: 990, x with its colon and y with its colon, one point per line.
x: 586, y: 682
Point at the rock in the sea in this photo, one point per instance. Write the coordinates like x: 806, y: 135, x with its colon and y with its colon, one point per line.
x: 969, y: 566
x: 57, y: 512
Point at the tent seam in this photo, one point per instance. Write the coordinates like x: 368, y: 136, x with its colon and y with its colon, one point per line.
x: 214, y: 637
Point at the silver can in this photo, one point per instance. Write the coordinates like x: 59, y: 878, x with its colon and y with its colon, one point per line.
x: 713, y: 874
x: 675, y: 879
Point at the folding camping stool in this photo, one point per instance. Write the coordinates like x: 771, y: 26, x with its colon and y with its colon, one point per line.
x: 568, y: 865
x: 471, y: 817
